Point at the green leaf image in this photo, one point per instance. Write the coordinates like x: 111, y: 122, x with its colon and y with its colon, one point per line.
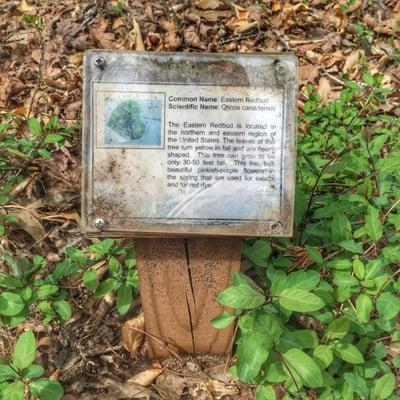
x: 126, y: 120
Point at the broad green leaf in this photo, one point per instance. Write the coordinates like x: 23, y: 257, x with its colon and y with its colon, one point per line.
x: 63, y: 309
x: 340, y: 227
x: 352, y: 246
x: 392, y: 253
x: 373, y: 225
x: 299, y: 300
x: 306, y: 280
x: 258, y: 253
x: 14, y: 391
x: 373, y: 268
x: 304, y: 366
x: 344, y: 278
x: 265, y: 392
x: 24, y: 350
x: 357, y: 383
x: 385, y: 386
x: 222, y: 320
x: 33, y: 371
x: 338, y: 328
x: 315, y: 254
x: 368, y: 79
x: 241, y: 296
x: 53, y: 138
x: 307, y: 338
x: 90, y: 279
x: 46, y: 389
x: 388, y: 305
x: 363, y: 308
x: 349, y: 353
x: 358, y: 268
x: 7, y: 373
x: 124, y: 299
x: 34, y: 126
x: 106, y: 287
x: 251, y: 353
x: 11, y: 304
x: 46, y: 291
x: 323, y: 356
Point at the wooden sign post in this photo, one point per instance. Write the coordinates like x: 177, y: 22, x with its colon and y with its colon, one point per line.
x: 187, y: 153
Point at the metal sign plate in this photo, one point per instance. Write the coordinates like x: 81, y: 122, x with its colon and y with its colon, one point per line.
x: 188, y: 144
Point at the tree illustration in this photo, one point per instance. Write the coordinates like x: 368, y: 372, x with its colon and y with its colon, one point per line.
x: 126, y: 120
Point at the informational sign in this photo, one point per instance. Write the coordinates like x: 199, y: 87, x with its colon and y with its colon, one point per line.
x: 188, y: 144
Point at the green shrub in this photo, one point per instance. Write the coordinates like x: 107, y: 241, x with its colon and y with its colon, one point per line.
x: 320, y: 317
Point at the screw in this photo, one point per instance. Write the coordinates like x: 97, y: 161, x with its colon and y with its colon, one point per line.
x: 280, y: 69
x: 99, y: 62
x: 99, y: 223
x: 276, y: 227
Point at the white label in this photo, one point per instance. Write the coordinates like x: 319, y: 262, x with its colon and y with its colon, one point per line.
x: 190, y: 152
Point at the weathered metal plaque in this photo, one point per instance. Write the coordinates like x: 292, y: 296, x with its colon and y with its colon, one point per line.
x: 188, y: 144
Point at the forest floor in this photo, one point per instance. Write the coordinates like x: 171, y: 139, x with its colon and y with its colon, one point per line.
x: 41, y: 76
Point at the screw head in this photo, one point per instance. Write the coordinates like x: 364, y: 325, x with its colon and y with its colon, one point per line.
x: 280, y: 68
x: 276, y: 227
x: 99, y: 62
x: 99, y: 223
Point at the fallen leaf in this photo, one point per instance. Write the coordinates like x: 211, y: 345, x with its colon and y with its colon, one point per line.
x: 352, y: 62
x: 139, y: 45
x: 132, y: 338
x: 307, y: 74
x: 324, y: 89
x: 207, y: 4
x: 145, y: 378
x: 30, y: 224
x: 8, y: 86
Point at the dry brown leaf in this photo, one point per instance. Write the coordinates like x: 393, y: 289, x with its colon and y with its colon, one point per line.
x: 221, y: 389
x: 139, y: 45
x: 324, y: 89
x: 8, y: 87
x: 30, y: 224
x: 132, y: 339
x: 352, y: 62
x: 145, y: 378
x: 207, y: 4
x: 105, y: 40
x: 307, y: 74
x: 24, y: 8
x: 125, y: 390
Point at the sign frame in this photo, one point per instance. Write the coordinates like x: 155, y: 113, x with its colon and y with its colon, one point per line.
x: 268, y: 70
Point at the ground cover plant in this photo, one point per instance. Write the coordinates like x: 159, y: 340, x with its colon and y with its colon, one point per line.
x: 317, y: 314
x: 320, y: 318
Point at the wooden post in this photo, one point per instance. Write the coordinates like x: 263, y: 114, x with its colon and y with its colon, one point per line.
x: 179, y: 282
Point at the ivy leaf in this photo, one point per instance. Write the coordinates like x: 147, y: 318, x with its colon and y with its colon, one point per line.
x: 300, y: 300
x: 373, y: 225
x: 46, y: 389
x: 222, y: 320
x: 363, y: 308
x: 388, y: 305
x: 385, y: 386
x: 349, y: 353
x: 24, y: 350
x: 258, y: 253
x: 241, y: 296
x: 304, y: 366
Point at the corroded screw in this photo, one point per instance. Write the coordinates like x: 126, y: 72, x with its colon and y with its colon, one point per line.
x: 99, y: 62
x: 280, y: 69
x: 99, y: 223
x: 276, y: 227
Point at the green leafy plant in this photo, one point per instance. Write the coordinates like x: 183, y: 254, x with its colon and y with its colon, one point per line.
x: 122, y: 277
x: 21, y: 376
x: 320, y: 316
x: 20, y: 153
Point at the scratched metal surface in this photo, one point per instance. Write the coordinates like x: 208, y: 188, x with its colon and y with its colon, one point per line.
x: 113, y: 198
